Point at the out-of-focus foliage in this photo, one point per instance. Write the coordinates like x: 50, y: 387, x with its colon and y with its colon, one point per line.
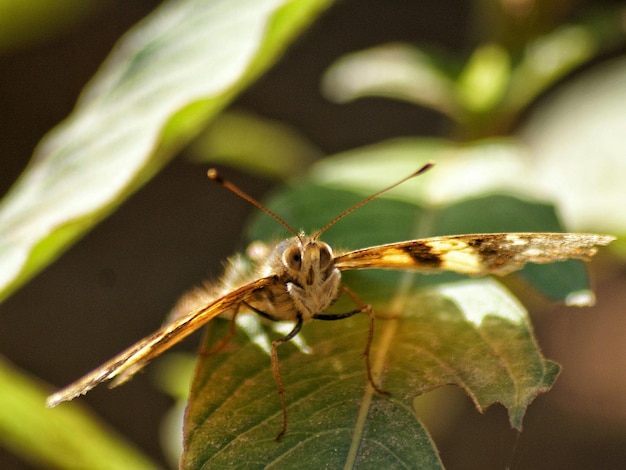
x: 26, y: 22
x: 134, y: 116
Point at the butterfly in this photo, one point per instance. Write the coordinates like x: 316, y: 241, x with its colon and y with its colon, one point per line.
x: 300, y: 278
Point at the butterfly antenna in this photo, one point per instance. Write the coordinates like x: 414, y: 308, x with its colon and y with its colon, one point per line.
x: 215, y: 176
x: 423, y: 169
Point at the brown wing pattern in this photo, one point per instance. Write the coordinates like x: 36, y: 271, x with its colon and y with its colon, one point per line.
x: 475, y: 254
x: 129, y: 361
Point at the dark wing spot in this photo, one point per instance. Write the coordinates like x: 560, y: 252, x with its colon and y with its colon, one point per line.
x: 423, y: 255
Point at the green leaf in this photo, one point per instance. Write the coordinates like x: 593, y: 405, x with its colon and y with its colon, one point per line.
x: 396, y: 71
x: 557, y: 133
x: 475, y: 336
x: 463, y: 170
x: 271, y: 148
x: 484, y: 80
x: 66, y: 437
x: 494, y: 87
x: 165, y: 79
x: 576, y: 136
x: 549, y: 58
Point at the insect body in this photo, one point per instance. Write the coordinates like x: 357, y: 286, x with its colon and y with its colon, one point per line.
x: 301, y: 278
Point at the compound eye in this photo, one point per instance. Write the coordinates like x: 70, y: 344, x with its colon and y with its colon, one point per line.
x: 326, y: 256
x: 293, y: 258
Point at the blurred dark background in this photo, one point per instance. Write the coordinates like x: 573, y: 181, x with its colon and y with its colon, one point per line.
x: 117, y: 283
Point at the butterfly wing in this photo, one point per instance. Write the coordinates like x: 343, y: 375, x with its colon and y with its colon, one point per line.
x: 475, y: 254
x: 129, y: 361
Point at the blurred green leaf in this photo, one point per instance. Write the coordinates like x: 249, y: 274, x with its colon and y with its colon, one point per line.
x: 166, y: 78
x: 577, y: 138
x: 493, y: 87
x: 485, y: 79
x: 172, y: 374
x: 28, y: 21
x: 546, y: 60
x: 66, y: 437
x: 271, y: 148
x: 549, y: 58
x: 563, y: 171
x: 396, y: 71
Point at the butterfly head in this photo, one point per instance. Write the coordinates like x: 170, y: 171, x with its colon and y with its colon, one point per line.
x: 309, y: 277
x: 307, y: 261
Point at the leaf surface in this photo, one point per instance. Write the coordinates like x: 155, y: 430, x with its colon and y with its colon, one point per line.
x: 335, y: 419
x: 165, y: 79
x: 66, y: 437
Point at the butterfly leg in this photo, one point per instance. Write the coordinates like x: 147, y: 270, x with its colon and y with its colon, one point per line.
x: 363, y: 308
x: 276, y: 370
x: 274, y: 356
